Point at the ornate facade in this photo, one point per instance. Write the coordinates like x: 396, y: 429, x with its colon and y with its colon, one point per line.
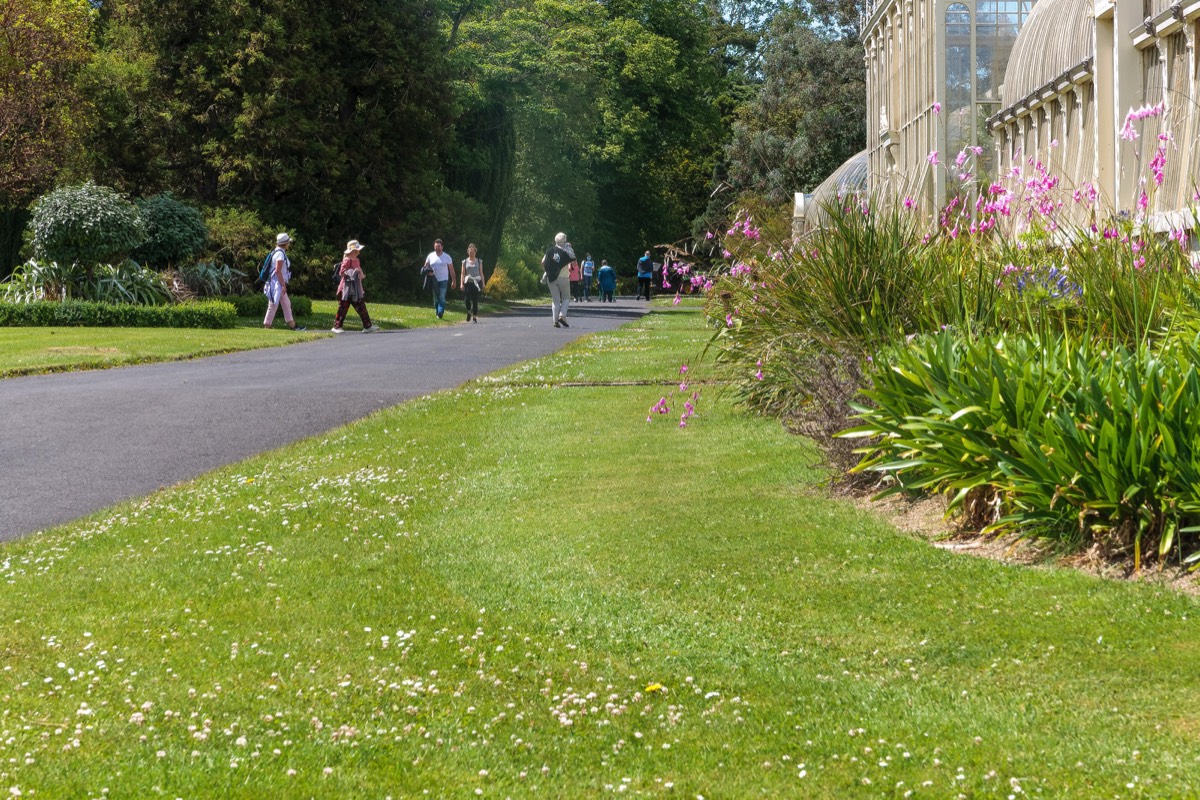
x: 934, y: 75
x: 1105, y: 94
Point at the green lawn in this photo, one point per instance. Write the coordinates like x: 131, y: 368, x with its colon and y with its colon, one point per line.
x: 521, y: 589
x: 26, y: 351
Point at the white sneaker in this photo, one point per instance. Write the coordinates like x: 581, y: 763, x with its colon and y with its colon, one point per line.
x: 338, y: 330
x: 372, y: 329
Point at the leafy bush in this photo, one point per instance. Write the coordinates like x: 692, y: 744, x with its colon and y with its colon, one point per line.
x: 126, y: 282
x: 1070, y: 437
x: 500, y: 286
x: 203, y: 314
x: 41, y: 280
x: 237, y: 237
x: 208, y: 279
x: 174, y: 231
x: 255, y: 305
x: 85, y: 225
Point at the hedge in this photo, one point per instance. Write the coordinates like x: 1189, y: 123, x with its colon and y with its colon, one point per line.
x: 44, y: 313
x: 255, y: 305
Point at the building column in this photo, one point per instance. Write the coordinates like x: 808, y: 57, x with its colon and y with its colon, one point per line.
x: 1127, y: 87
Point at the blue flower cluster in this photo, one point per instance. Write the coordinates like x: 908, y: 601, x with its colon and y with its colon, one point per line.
x: 1050, y: 285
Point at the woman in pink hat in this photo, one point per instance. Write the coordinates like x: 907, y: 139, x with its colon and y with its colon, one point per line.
x: 350, y: 290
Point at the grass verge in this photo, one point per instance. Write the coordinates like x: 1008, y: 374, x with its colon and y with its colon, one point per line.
x: 518, y: 589
x: 31, y: 351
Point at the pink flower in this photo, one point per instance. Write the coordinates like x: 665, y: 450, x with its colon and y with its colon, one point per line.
x: 932, y: 158
x: 937, y: 108
x: 909, y: 202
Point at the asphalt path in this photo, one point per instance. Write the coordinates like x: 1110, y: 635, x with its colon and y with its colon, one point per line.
x: 74, y: 443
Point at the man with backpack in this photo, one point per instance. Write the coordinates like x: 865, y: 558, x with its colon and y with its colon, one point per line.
x: 278, y: 272
x: 557, y: 265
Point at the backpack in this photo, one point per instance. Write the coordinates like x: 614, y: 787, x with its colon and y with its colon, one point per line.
x: 337, y: 275
x: 268, y: 266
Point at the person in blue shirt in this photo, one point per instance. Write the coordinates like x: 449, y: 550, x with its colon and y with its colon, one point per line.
x: 608, y: 282
x: 645, y: 274
x: 589, y: 269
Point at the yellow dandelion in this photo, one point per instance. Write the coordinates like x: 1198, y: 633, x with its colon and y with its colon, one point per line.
x: 654, y: 687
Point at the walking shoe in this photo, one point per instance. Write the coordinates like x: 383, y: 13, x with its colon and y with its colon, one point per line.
x: 474, y: 318
x: 557, y: 324
x: 372, y: 329
x: 563, y: 320
x: 338, y: 330
x: 299, y: 328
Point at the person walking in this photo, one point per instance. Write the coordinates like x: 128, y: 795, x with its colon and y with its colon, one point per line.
x: 645, y: 274
x: 350, y: 290
x: 576, y: 278
x: 441, y: 268
x: 276, y: 286
x: 608, y: 282
x: 556, y: 262
x: 589, y: 271
x: 471, y: 282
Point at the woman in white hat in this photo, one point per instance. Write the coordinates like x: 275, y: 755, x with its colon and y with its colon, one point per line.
x: 350, y: 290
x: 276, y: 286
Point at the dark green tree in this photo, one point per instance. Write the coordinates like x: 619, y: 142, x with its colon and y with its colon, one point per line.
x: 329, y: 118
x: 44, y: 43
x: 807, y: 117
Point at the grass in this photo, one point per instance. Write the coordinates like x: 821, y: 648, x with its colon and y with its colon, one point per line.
x: 31, y: 351
x: 518, y: 589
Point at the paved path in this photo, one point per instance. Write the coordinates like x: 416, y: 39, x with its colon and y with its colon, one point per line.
x: 74, y: 443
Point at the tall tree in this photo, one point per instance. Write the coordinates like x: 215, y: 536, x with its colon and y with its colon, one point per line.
x: 809, y: 114
x: 327, y: 118
x: 615, y: 114
x: 43, y: 44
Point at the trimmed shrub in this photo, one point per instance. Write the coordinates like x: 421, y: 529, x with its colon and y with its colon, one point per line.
x: 175, y: 232
x: 203, y: 314
x: 255, y: 305
x: 86, y: 225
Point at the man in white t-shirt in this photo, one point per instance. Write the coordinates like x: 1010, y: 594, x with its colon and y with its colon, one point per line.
x: 441, y: 266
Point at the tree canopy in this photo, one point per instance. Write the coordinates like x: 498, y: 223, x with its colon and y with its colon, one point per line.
x: 498, y: 122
